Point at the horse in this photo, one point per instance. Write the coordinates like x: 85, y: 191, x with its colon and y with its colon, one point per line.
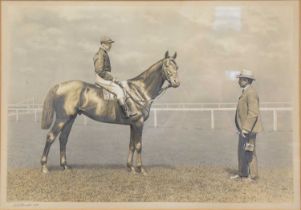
x: 68, y: 99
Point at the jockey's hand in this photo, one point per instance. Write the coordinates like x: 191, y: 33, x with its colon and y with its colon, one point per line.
x: 116, y: 81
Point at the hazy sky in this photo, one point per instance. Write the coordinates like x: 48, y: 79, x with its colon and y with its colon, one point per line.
x: 50, y: 43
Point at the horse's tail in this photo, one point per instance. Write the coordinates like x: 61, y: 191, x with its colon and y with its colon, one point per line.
x: 48, y: 109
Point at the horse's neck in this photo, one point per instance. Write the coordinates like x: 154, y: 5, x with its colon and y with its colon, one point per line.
x: 150, y: 81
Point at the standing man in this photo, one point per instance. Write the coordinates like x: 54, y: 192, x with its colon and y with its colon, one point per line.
x: 248, y: 124
x: 104, y: 77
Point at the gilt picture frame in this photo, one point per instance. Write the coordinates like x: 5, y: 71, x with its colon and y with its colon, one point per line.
x: 189, y: 137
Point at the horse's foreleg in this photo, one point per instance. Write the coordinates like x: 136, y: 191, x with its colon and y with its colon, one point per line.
x: 63, y: 142
x: 140, y: 168
x: 138, y: 147
x: 131, y: 151
x: 55, y: 130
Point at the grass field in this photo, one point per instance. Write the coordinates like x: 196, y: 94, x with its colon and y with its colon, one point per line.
x: 163, y: 184
x: 186, y: 162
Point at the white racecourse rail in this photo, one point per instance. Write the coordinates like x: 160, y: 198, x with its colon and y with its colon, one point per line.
x: 22, y: 109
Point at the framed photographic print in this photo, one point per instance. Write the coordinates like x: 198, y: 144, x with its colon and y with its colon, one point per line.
x: 150, y: 105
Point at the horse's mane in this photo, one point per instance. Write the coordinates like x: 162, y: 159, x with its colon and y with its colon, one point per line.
x: 145, y: 74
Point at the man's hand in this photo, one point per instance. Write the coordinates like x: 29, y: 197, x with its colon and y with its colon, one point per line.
x: 244, y: 133
x: 116, y: 81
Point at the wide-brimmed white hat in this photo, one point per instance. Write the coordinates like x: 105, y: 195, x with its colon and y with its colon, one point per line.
x: 246, y: 74
x: 106, y: 39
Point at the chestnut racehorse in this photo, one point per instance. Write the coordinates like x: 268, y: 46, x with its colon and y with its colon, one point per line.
x: 68, y: 99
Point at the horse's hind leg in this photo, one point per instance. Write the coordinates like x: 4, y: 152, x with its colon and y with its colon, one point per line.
x: 55, y: 130
x: 63, y: 142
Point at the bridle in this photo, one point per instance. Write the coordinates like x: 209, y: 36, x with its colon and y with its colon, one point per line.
x: 144, y: 102
x: 165, y: 73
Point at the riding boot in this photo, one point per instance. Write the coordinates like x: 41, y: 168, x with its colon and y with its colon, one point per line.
x: 125, y: 109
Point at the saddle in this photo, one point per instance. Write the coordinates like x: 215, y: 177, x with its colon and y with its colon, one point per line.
x: 127, y: 107
x: 107, y: 95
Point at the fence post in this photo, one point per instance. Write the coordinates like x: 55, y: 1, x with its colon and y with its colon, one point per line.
x: 275, y: 120
x: 17, y: 115
x: 35, y: 115
x: 155, y: 118
x: 212, y: 118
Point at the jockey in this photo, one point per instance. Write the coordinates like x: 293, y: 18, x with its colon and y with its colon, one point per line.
x: 104, y: 77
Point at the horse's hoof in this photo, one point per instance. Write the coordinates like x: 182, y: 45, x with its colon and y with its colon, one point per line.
x: 129, y: 167
x: 133, y: 170
x: 143, y: 171
x: 45, y: 170
x: 66, y: 168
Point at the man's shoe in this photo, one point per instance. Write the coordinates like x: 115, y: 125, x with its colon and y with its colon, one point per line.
x: 248, y: 179
x: 129, y: 114
x: 235, y: 177
x: 136, y: 116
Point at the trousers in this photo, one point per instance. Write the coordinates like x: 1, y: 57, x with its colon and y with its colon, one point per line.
x: 247, y: 160
x: 111, y: 87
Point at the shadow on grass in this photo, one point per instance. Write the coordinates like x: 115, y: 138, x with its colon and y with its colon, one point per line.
x: 230, y: 171
x: 109, y: 166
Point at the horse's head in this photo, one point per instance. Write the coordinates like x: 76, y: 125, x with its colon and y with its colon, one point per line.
x: 170, y: 70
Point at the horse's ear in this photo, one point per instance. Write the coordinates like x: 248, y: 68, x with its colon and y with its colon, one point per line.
x: 167, y: 54
x: 175, y: 55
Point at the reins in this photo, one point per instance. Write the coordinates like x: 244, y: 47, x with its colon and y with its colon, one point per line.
x: 144, y: 102
x: 162, y: 90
